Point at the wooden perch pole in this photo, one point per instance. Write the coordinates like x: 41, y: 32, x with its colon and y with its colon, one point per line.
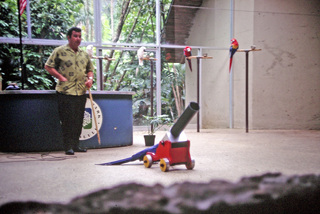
x: 102, y: 57
x: 94, y: 116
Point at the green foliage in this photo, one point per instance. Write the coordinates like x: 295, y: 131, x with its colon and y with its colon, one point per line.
x: 50, y: 20
x: 8, y: 28
x: 157, y: 122
x: 122, y: 74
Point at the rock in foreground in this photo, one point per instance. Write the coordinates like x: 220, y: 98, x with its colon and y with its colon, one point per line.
x: 268, y: 193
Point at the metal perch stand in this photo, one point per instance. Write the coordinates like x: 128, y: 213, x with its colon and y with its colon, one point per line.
x: 103, y: 57
x: 247, y: 83
x: 89, y: 51
x: 198, y: 83
x: 151, y: 85
x: 100, y: 58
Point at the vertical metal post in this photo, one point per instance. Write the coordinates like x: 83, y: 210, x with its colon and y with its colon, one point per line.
x: 158, y: 80
x: 100, y: 85
x: 247, y: 91
x: 231, y: 72
x: 98, y: 38
x: 151, y: 92
x: 158, y: 23
x: 198, y: 92
x: 21, y: 67
x: 158, y: 57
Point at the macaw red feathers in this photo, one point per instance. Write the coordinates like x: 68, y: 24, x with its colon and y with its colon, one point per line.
x: 233, y: 49
x: 187, y: 53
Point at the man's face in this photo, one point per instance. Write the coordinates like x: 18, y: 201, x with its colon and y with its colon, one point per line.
x: 75, y: 40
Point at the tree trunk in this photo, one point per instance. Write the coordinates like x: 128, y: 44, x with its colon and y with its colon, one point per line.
x: 124, y: 13
x: 127, y: 40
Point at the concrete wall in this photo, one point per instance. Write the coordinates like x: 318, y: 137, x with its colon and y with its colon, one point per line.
x: 284, y: 80
x: 286, y: 76
x: 211, y: 28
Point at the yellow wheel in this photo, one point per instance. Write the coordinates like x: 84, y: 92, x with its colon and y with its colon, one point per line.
x: 164, y: 164
x: 147, y: 161
x: 191, y: 164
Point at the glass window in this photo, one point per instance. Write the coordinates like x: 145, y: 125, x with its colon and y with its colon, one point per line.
x: 119, y: 28
x: 125, y: 21
x: 52, y: 19
x: 9, y: 22
x: 172, y: 87
x: 124, y: 73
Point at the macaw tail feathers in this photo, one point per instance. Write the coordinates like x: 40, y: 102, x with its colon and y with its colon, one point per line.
x: 137, y: 156
x: 230, y: 64
x: 190, y: 66
x: 118, y: 162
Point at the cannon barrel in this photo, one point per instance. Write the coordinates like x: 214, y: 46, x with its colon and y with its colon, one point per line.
x: 184, y: 119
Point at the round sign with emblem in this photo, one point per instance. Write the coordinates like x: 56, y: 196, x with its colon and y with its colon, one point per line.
x: 88, y: 126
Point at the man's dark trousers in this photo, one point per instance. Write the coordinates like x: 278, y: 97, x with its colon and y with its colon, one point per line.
x: 71, y: 112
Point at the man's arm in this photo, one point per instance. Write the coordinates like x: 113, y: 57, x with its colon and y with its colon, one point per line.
x: 55, y: 73
x: 89, y: 81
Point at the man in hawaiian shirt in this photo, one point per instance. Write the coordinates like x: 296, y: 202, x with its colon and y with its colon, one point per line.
x: 74, y: 71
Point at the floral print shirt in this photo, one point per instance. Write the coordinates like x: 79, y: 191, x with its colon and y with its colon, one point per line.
x: 72, y: 65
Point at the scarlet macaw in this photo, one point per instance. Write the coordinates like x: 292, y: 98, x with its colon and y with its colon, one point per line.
x: 187, y: 53
x: 233, y: 49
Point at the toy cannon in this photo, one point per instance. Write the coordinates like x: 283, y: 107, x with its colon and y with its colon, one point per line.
x: 174, y: 148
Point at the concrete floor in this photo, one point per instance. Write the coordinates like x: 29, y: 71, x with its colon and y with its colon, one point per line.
x: 219, y: 154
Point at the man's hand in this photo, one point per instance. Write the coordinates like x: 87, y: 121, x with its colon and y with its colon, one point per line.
x: 89, y: 83
x: 55, y: 73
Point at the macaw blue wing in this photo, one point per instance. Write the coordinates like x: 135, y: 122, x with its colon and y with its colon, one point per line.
x: 232, y: 52
x: 189, y: 63
x: 134, y: 157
